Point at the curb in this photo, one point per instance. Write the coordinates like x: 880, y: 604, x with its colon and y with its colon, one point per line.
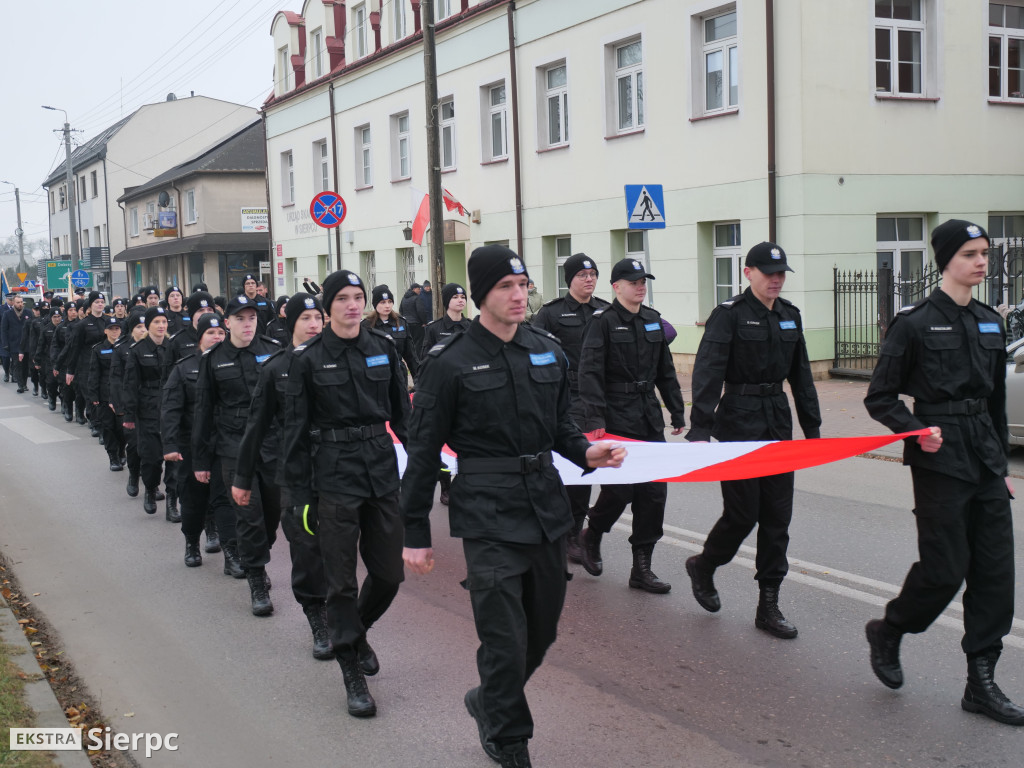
x: 38, y: 694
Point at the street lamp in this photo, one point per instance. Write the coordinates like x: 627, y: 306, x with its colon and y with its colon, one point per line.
x: 406, y: 230
x: 71, y: 187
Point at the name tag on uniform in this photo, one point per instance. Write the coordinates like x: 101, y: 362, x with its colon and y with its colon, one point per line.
x: 106, y: 351
x: 940, y: 327
x: 787, y: 325
x: 988, y: 327
x: 753, y: 322
x: 261, y: 358
x: 547, y: 358
x: 652, y: 326
x: 376, y: 360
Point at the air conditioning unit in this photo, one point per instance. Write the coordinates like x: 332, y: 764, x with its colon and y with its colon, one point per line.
x: 148, y: 222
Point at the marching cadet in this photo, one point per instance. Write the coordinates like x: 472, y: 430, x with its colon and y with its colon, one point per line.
x: 146, y: 369
x: 453, y: 299
x: 30, y: 339
x: 176, y: 316
x: 176, y: 411
x: 277, y: 329
x: 382, y: 317
x: 498, y: 395
x: 264, y: 309
x: 87, y: 333
x: 42, y: 356
x: 58, y: 347
x: 228, y: 372
x: 186, y: 341
x: 97, y: 391
x: 567, y: 318
x: 948, y: 353
x: 304, y: 319
x: 625, y: 358
x: 136, y: 323
x: 347, y: 383
x: 752, y: 343
x: 150, y: 296
x: 121, y: 314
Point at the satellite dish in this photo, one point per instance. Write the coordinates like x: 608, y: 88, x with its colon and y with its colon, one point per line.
x: 163, y: 199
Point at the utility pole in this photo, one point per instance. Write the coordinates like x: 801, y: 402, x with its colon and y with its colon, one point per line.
x: 437, y: 276
x: 71, y: 188
x: 19, y: 232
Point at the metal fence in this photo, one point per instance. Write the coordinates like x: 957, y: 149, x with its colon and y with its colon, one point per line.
x: 866, y: 301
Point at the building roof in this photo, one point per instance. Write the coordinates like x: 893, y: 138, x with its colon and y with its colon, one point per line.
x: 241, y: 152
x: 95, y: 147
x: 218, y: 241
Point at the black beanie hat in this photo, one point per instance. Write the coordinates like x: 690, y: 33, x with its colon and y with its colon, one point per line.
x: 80, y: 304
x: 296, y: 305
x: 279, y: 302
x: 136, y: 317
x: 449, y: 292
x: 577, y: 262
x: 153, y: 313
x: 381, y: 293
x: 208, y: 321
x: 197, y: 301
x: 949, y: 236
x: 94, y: 296
x: 172, y: 289
x: 338, y: 280
x: 489, y: 264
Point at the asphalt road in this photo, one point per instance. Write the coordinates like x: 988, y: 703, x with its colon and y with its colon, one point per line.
x: 634, y: 679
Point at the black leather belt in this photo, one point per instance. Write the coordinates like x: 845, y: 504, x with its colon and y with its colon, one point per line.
x: 630, y: 387
x: 757, y: 390
x: 511, y: 465
x: 348, y: 434
x: 952, y: 408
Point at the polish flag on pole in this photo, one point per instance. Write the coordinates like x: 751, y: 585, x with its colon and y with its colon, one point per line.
x: 421, y: 221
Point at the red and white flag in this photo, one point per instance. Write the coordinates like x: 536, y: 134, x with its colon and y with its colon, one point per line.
x: 707, y: 462
x: 421, y: 221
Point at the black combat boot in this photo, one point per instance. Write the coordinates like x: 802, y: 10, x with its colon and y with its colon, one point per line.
x: 159, y: 495
x: 590, y: 547
x: 321, y: 641
x: 884, y: 640
x: 171, y: 512
x: 192, y: 555
x: 94, y: 431
x: 149, y: 502
x: 232, y: 565
x: 212, y: 539
x: 360, y: 702
x: 35, y: 390
x: 515, y: 755
x: 261, y: 605
x: 132, y: 489
x: 641, y: 576
x: 51, y: 403
x: 368, y: 661
x: 768, y: 616
x: 69, y: 412
x: 983, y: 696
x: 80, y: 418
x: 115, y: 463
x: 703, y: 584
x: 472, y: 701
x: 573, y: 550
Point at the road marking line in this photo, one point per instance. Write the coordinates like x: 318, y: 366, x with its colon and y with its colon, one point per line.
x: 806, y: 578
x: 11, y: 407
x: 35, y: 430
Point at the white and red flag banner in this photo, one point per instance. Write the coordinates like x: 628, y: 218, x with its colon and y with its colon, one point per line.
x: 708, y: 462
x: 421, y: 220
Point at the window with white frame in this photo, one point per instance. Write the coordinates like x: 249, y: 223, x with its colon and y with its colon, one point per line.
x: 364, y: 157
x: 53, y: 202
x: 443, y: 9
x: 720, y: 52
x: 401, y: 159
x: 322, y: 166
x: 282, y: 69
x: 190, y: 206
x: 81, y: 185
x: 901, y: 247
x: 133, y: 222
x: 636, y: 248
x: 563, y: 250
x: 85, y: 238
x: 359, y: 30
x: 728, y: 259
x: 96, y: 237
x: 95, y: 184
x: 398, y: 15
x: 62, y: 192
x: 556, y: 98
x: 628, y: 79
x: 900, y: 47
x: 287, y: 178
x: 368, y: 267
x: 447, y: 124
x: 316, y: 59
x: 405, y: 267
x: 1006, y: 51
x: 495, y: 123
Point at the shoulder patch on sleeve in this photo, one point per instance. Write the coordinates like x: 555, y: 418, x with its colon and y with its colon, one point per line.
x: 552, y: 301
x: 443, y: 344
x: 789, y: 303
x: 540, y: 332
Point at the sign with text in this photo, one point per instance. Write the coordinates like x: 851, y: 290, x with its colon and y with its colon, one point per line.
x: 57, y: 274
x: 255, y: 220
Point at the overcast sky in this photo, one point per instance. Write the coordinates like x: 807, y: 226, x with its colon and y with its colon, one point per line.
x: 102, y: 59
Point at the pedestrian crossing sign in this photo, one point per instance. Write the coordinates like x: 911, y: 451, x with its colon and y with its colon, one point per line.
x: 645, y: 206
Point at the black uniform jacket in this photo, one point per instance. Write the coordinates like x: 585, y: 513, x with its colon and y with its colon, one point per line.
x: 97, y: 381
x: 489, y: 399
x: 42, y: 351
x: 59, y: 345
x: 86, y: 334
x: 441, y: 329
x: 625, y: 357
x: 145, y: 372
x: 227, y: 378
x: 184, y: 343
x: 265, y: 423
x: 178, y: 405
x: 340, y: 387
x: 939, y: 352
x: 746, y: 343
x: 117, y: 369
x: 399, y: 333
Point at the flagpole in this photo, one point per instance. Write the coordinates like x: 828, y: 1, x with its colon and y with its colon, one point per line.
x: 437, y: 271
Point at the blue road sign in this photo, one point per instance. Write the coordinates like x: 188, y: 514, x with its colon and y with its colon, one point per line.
x: 645, y: 206
x: 328, y: 209
x: 29, y: 284
x: 80, y: 278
